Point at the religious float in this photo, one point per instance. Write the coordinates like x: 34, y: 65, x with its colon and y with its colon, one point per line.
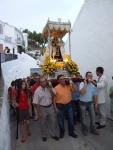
x: 55, y: 60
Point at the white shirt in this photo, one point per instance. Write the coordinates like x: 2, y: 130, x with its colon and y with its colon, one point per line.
x: 102, y: 89
x: 42, y: 96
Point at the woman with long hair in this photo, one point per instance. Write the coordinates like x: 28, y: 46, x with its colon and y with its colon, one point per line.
x: 22, y: 102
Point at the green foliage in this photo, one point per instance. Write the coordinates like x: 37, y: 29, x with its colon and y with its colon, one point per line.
x: 37, y: 37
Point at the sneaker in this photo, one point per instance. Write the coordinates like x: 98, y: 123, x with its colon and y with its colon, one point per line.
x: 56, y: 138
x: 100, y: 126
x: 44, y: 139
x: 73, y: 135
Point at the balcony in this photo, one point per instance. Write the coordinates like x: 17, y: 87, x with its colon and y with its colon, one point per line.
x: 6, y: 57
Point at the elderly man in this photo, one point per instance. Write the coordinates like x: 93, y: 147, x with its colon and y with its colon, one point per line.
x: 47, y: 116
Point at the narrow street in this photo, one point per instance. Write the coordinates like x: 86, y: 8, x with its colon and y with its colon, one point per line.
x: 91, y: 142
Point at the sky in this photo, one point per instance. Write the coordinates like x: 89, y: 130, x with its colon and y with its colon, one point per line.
x: 33, y: 14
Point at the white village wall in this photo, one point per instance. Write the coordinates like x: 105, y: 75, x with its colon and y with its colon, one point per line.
x: 92, y: 37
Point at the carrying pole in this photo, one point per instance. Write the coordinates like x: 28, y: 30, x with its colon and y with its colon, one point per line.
x: 70, y: 43
x: 70, y: 39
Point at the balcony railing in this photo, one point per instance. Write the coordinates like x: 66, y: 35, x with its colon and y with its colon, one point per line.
x: 7, y: 57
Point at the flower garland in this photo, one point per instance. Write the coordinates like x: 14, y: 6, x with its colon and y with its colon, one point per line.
x: 50, y: 66
x: 71, y: 66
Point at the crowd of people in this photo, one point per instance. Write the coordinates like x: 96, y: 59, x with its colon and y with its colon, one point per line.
x: 36, y: 98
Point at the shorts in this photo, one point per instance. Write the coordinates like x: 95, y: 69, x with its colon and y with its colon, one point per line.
x: 23, y: 115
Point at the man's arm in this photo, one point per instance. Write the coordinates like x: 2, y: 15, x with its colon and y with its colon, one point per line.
x: 94, y: 83
x: 101, y: 84
x: 54, y: 105
x: 54, y: 102
x: 83, y: 88
x: 72, y: 86
x: 51, y: 89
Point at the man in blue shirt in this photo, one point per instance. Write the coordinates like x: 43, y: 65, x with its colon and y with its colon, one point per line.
x: 87, y: 95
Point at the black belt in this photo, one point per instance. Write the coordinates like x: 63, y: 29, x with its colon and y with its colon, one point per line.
x: 84, y: 103
x: 47, y: 106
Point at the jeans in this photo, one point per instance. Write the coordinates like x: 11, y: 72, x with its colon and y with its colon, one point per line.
x: 89, y: 106
x: 65, y: 110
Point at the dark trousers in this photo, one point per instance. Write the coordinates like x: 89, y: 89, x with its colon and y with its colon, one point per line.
x: 76, y: 110
x: 65, y: 110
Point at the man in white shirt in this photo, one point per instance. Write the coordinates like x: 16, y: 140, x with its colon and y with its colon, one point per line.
x: 102, y: 96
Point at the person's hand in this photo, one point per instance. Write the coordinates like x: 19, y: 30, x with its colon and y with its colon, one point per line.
x: 16, y: 104
x: 56, y: 110
x: 70, y: 81
x: 94, y: 82
x: 89, y: 80
x: 85, y: 80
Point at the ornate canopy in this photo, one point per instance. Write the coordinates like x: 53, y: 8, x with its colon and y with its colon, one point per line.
x: 56, y: 60
x: 56, y: 29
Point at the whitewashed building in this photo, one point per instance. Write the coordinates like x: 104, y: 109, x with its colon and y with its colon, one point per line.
x: 92, y: 37
x: 12, y: 38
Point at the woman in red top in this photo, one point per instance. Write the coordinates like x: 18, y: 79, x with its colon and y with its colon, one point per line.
x: 23, y: 105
